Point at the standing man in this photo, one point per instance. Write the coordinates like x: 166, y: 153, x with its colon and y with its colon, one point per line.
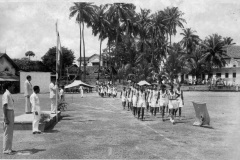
x: 81, y: 91
x: 36, y: 110
x: 27, y: 93
x: 8, y: 124
x: 53, y: 92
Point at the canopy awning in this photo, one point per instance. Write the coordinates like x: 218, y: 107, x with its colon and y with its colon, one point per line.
x: 8, y: 79
x: 142, y: 83
x: 78, y: 83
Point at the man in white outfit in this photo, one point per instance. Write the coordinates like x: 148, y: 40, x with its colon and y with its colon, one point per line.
x: 27, y: 92
x: 81, y: 91
x: 36, y: 110
x: 52, y: 90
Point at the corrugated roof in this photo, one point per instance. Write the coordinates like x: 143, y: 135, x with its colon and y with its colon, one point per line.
x: 233, y: 51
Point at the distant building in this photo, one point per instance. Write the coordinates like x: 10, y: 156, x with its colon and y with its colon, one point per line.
x: 7, y: 65
x: 41, y: 74
x: 231, y: 72
x: 92, y: 60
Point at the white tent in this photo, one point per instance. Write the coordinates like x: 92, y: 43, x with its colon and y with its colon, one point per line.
x: 142, y: 83
x: 78, y: 83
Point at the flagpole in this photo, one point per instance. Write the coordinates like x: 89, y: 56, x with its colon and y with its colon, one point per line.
x: 56, y: 74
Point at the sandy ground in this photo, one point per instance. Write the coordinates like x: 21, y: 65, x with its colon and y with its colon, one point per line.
x: 98, y: 128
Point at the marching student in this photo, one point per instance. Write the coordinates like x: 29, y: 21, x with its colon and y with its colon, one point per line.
x: 142, y: 102
x: 149, y: 95
x: 36, y: 110
x: 129, y: 98
x: 163, y: 100
x: 109, y: 91
x: 123, y: 96
x: 105, y: 90
x: 102, y: 91
x: 154, y: 100
x: 135, y: 94
x: 114, y: 92
x: 172, y: 103
x: 180, y: 101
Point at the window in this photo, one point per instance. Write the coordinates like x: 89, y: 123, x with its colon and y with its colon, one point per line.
x: 218, y: 75
x: 234, y: 75
x: 226, y: 75
x: 234, y: 65
x: 6, y: 69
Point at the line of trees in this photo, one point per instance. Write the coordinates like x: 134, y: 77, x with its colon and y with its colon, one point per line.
x: 140, y: 44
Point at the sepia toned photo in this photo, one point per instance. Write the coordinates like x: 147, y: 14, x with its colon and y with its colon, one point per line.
x: 110, y: 79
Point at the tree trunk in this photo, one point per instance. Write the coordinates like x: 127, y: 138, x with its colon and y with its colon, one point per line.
x: 84, y: 65
x: 170, y: 39
x: 100, y: 55
x: 117, y: 44
x: 80, y: 58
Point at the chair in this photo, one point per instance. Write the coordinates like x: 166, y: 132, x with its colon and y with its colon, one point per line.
x: 202, y: 116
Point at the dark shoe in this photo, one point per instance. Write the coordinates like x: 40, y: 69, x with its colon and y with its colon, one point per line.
x: 39, y: 132
x: 35, y: 132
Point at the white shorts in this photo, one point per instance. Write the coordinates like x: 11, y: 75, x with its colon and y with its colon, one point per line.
x: 141, y: 104
x: 134, y: 101
x: 154, y: 103
x: 162, y: 103
x: 173, y: 104
x: 129, y: 99
x: 123, y: 99
x: 180, y: 102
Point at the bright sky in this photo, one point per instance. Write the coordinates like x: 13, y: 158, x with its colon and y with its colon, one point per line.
x: 30, y: 25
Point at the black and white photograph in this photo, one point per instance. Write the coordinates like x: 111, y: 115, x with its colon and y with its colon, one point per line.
x: 111, y: 79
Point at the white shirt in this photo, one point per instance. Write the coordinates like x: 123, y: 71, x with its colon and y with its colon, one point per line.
x: 61, y: 92
x: 35, y: 102
x: 27, y: 88
x: 52, y: 90
x: 7, y: 99
x: 81, y: 88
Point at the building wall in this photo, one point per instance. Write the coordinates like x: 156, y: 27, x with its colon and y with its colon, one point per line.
x: 41, y: 79
x: 230, y: 72
x: 4, y: 63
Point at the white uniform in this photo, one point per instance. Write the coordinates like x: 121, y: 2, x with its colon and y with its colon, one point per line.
x: 52, y: 90
x: 179, y: 99
x: 172, y: 104
x: 163, y: 100
x: 134, y: 98
x: 142, y: 100
x: 35, y: 108
x: 124, y: 96
x: 154, y: 98
x: 149, y: 97
x: 27, y: 92
x: 81, y: 91
x: 114, y: 91
x: 129, y: 96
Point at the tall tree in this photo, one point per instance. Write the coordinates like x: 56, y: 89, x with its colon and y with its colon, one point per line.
x: 228, y: 41
x: 214, y: 52
x: 100, y: 26
x: 29, y: 54
x: 119, y: 13
x: 173, y: 18
x: 190, y: 40
x: 84, y: 14
x: 49, y: 59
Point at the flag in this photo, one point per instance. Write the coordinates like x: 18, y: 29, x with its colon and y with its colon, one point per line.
x: 58, y: 54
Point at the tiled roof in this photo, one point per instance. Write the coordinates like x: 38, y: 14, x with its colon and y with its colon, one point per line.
x: 233, y: 51
x: 31, y: 66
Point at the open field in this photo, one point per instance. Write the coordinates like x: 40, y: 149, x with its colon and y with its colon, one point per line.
x: 98, y: 128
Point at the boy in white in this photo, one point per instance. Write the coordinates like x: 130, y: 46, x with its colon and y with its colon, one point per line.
x: 154, y: 100
x: 35, y: 110
x: 180, y: 101
x: 61, y: 94
x: 163, y: 100
x: 123, y: 96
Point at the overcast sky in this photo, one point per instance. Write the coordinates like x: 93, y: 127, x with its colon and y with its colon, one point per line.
x: 30, y: 25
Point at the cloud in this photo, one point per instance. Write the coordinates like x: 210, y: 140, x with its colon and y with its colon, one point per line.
x: 30, y: 25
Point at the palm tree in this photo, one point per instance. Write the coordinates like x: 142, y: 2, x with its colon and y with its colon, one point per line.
x: 84, y: 12
x: 228, y: 41
x: 214, y: 52
x: 29, y: 54
x: 119, y: 13
x: 173, y: 20
x: 99, y: 26
x: 190, y: 40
